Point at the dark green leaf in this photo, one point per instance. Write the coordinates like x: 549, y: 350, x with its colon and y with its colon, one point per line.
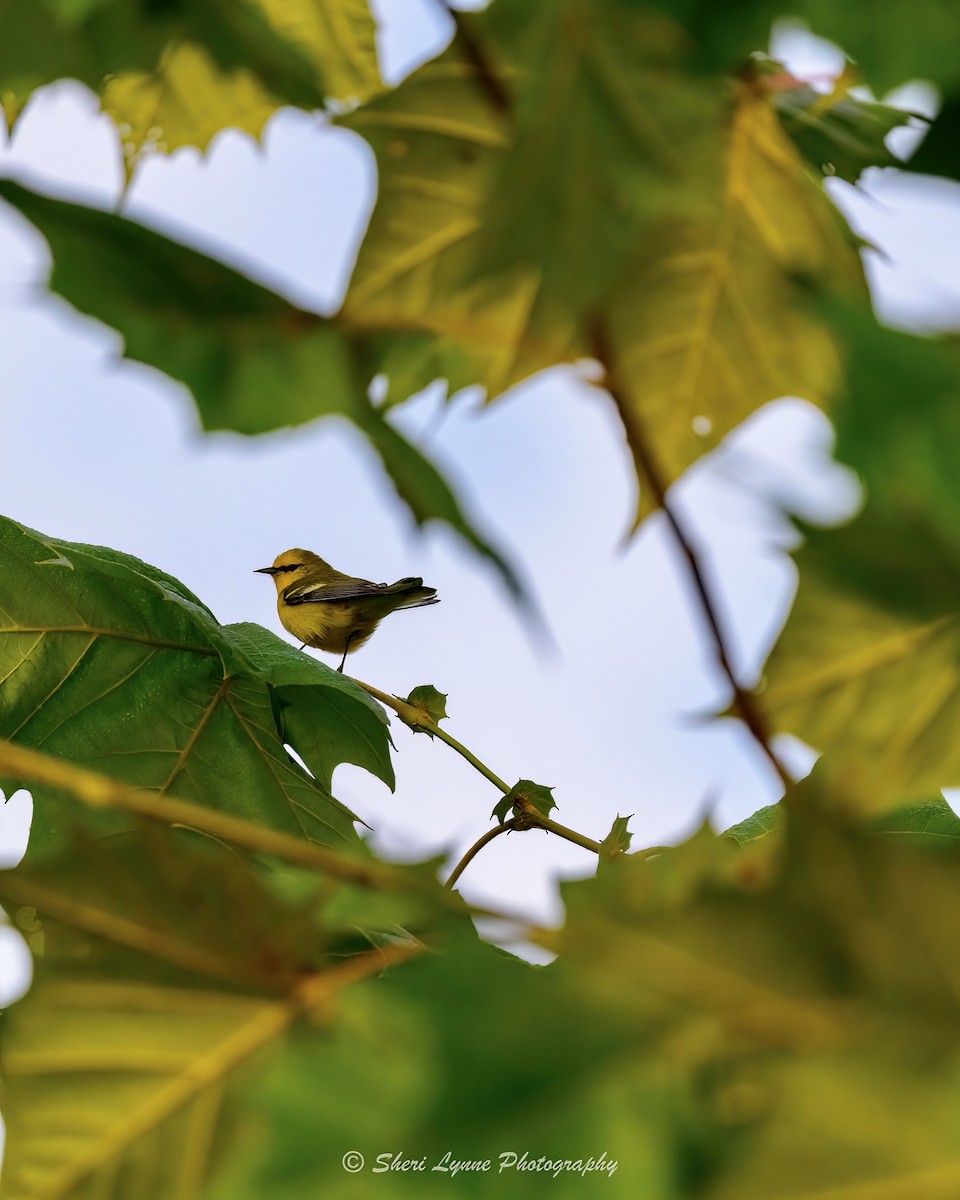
x: 323, y: 713
x: 427, y: 494
x: 609, y: 137
x: 524, y: 795
x: 284, y: 49
x: 839, y: 134
x: 231, y: 341
x: 252, y: 361
x: 939, y: 152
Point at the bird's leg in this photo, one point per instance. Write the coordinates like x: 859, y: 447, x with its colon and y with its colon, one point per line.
x: 346, y: 647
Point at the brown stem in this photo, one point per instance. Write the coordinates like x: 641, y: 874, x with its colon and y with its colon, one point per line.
x: 488, y: 79
x: 743, y: 700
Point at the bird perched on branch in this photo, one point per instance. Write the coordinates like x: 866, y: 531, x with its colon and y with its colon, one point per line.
x: 332, y: 611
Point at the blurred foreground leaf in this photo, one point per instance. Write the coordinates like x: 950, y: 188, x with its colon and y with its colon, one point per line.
x: 713, y: 321
x: 866, y: 668
x: 169, y: 975
x: 175, y: 74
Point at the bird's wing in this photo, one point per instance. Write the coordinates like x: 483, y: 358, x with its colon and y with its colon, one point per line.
x: 330, y: 593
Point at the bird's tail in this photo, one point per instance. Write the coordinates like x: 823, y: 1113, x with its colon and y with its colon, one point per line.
x: 415, y: 595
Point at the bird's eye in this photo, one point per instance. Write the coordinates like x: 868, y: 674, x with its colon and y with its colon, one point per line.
x: 291, y: 567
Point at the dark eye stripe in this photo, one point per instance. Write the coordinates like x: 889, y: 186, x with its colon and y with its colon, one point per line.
x: 291, y: 567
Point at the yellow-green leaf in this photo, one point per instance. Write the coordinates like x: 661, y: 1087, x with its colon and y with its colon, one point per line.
x: 867, y: 668
x: 416, y: 288
x: 189, y: 97
x: 712, y: 323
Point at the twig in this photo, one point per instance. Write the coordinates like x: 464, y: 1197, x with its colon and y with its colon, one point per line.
x: 563, y: 831
x: 421, y: 722
x: 743, y: 701
x: 478, y: 845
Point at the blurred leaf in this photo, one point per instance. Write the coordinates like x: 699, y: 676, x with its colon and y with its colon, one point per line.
x: 865, y: 669
x: 252, y: 361
x: 231, y: 341
x: 415, y: 285
x: 428, y: 495
x: 168, y: 973
x: 609, y: 135
x: 939, y: 152
x: 889, y: 44
x: 525, y: 794
x: 433, y: 703
x: 159, y: 63
x: 108, y: 663
x: 713, y: 322
x: 187, y: 99
x: 438, y: 1065
x: 838, y: 133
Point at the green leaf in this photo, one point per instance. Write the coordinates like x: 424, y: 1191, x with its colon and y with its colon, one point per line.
x: 433, y: 703
x: 159, y: 64
x: 324, y: 714
x: 188, y: 97
x: 110, y: 664
x: 938, y: 153
x: 838, y: 133
x: 932, y: 823
x: 712, y: 322
x: 618, y: 840
x: 865, y: 667
x: 890, y: 45
x: 231, y: 341
x: 523, y: 796
x: 600, y: 112
x: 758, y: 825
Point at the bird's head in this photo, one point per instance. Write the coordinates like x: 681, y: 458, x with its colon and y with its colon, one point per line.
x: 291, y: 566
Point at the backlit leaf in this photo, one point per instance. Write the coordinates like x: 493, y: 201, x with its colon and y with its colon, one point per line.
x: 867, y: 666
x: 713, y: 322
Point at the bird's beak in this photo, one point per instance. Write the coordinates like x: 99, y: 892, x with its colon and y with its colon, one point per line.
x: 265, y: 571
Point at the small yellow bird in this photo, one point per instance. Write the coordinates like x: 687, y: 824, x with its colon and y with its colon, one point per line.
x: 332, y: 611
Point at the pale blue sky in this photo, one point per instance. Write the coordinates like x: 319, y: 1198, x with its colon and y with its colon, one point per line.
x: 104, y: 452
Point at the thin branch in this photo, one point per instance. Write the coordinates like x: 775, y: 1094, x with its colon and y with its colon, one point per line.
x: 743, y: 700
x: 571, y: 835
x: 421, y: 722
x: 478, y: 845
